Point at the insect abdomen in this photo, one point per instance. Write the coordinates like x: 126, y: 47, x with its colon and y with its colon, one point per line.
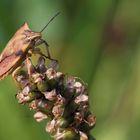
x: 8, y: 65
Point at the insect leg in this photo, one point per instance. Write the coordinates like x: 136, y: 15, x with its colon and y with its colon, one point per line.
x: 47, y: 48
x: 46, y: 45
x: 38, y: 51
x: 15, y: 72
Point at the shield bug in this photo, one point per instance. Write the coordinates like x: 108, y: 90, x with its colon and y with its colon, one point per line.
x: 19, y: 47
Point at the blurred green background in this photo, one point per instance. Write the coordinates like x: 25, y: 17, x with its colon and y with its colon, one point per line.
x: 96, y: 40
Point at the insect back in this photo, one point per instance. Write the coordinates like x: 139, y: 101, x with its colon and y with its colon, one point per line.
x: 16, y: 49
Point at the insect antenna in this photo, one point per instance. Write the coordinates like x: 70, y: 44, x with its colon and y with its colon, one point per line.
x: 49, y: 22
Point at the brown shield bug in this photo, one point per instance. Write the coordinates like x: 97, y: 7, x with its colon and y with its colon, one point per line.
x: 18, y: 48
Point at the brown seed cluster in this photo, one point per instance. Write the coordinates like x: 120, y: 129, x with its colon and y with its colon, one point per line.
x: 60, y: 99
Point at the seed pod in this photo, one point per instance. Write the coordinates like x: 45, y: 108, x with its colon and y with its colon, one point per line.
x: 39, y: 116
x: 63, y: 122
x: 42, y: 86
x: 41, y: 68
x: 68, y: 134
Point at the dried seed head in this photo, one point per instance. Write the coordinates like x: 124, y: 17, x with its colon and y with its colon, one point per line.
x: 83, y: 136
x: 37, y: 77
x: 61, y: 98
x: 79, y: 88
x: 41, y: 68
x: 70, y: 84
x: 50, y: 127
x: 23, y: 95
x: 78, y: 117
x: 58, y: 110
x: 91, y: 120
x: 63, y: 122
x: 34, y: 104
x: 59, y: 74
x: 66, y: 135
x: 39, y: 116
x: 81, y: 99
x: 45, y: 105
x: 21, y: 98
x: 51, y: 73
x: 50, y: 95
x: 22, y: 79
x: 42, y: 85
